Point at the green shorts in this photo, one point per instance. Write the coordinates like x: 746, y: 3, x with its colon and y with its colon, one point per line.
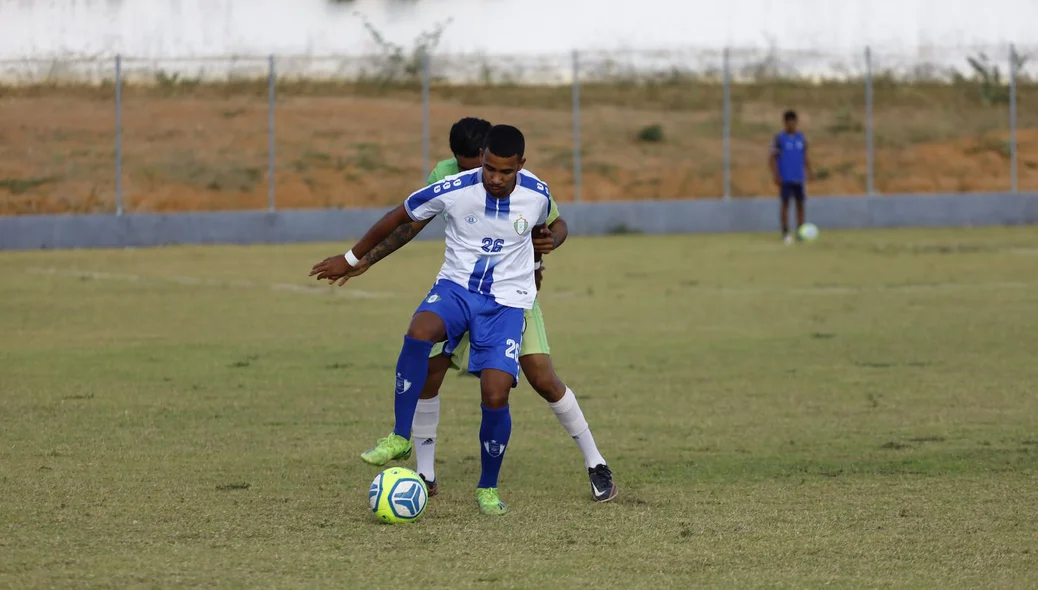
x: 535, y: 340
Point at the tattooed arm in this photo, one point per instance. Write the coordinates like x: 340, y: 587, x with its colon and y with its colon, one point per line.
x: 396, y: 240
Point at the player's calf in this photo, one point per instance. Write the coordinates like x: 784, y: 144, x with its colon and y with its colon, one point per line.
x: 495, y: 429
x: 427, y: 420
x: 496, y: 426
x: 542, y: 377
x: 412, y: 369
x: 494, y: 354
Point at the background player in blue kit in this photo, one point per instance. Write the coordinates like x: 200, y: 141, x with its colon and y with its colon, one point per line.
x: 484, y: 285
x: 790, y: 168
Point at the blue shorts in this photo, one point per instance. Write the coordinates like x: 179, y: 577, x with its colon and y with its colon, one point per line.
x: 495, y: 331
x: 792, y: 190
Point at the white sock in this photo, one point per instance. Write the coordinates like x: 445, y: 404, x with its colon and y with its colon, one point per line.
x: 426, y: 419
x: 567, y: 410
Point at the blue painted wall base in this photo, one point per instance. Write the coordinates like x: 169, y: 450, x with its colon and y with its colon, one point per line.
x: 654, y: 217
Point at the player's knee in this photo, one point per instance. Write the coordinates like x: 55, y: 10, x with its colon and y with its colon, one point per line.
x: 495, y: 387
x: 428, y: 327
x: 495, y: 399
x: 421, y: 333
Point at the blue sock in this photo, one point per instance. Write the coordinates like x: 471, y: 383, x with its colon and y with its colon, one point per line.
x: 411, y: 369
x: 493, y: 438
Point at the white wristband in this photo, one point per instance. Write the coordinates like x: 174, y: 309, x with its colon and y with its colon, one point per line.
x: 539, y: 266
x: 351, y: 259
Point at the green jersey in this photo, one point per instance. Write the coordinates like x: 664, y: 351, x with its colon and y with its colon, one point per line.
x: 553, y: 213
x: 443, y: 170
x: 449, y: 167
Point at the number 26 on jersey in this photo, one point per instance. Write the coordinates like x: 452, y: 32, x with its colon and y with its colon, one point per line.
x: 492, y: 245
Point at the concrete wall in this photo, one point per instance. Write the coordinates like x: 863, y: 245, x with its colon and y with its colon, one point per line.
x: 690, y: 216
x: 183, y: 28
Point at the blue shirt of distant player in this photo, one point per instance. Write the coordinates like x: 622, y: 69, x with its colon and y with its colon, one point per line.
x: 790, y: 150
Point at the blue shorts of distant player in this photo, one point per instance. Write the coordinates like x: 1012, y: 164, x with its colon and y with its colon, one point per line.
x: 792, y: 190
x: 495, y: 331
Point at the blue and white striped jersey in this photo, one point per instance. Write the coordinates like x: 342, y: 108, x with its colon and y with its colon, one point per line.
x: 489, y: 240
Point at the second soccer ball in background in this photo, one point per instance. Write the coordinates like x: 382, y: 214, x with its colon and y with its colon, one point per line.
x: 808, y: 232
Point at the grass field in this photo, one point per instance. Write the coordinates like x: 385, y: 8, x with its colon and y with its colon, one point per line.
x: 191, y: 147
x: 858, y: 412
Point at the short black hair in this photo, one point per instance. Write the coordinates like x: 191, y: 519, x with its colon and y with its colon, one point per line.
x: 468, y: 136
x: 789, y: 115
x: 506, y: 141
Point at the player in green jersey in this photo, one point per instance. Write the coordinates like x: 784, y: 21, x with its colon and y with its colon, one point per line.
x: 467, y: 137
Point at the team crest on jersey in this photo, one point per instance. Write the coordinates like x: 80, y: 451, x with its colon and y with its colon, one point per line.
x: 521, y: 225
x: 433, y: 298
x: 471, y: 219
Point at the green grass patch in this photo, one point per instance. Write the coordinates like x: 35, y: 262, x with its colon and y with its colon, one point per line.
x: 17, y: 186
x: 856, y: 412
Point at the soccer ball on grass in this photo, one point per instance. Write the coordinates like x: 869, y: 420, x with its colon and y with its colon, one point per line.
x: 398, y: 495
x: 808, y: 232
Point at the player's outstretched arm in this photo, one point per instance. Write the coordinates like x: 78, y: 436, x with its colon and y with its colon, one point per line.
x: 396, y: 240
x: 337, y: 267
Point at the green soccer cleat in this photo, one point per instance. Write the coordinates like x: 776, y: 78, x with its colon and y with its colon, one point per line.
x: 393, y: 447
x: 490, y: 501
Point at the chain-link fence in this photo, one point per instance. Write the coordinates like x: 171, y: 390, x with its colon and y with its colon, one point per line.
x: 124, y: 134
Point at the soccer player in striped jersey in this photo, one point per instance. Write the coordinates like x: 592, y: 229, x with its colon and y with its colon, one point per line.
x: 467, y: 137
x: 482, y: 289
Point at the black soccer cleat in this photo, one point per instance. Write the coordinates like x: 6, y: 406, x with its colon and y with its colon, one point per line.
x: 430, y: 486
x: 603, y: 489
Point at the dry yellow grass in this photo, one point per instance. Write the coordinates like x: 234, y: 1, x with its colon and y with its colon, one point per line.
x: 205, y: 147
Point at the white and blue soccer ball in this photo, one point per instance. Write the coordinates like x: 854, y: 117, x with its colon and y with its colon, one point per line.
x: 398, y: 495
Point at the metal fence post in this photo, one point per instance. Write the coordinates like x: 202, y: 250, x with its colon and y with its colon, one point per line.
x: 271, y: 156
x: 425, y: 116
x: 726, y: 146
x: 1013, y: 170
x: 870, y: 187
x: 118, y: 135
x: 577, y: 168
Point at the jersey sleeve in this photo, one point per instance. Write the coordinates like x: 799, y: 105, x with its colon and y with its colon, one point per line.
x: 553, y: 212
x: 532, y: 183
x: 434, y: 199
x: 776, y: 146
x: 426, y: 203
